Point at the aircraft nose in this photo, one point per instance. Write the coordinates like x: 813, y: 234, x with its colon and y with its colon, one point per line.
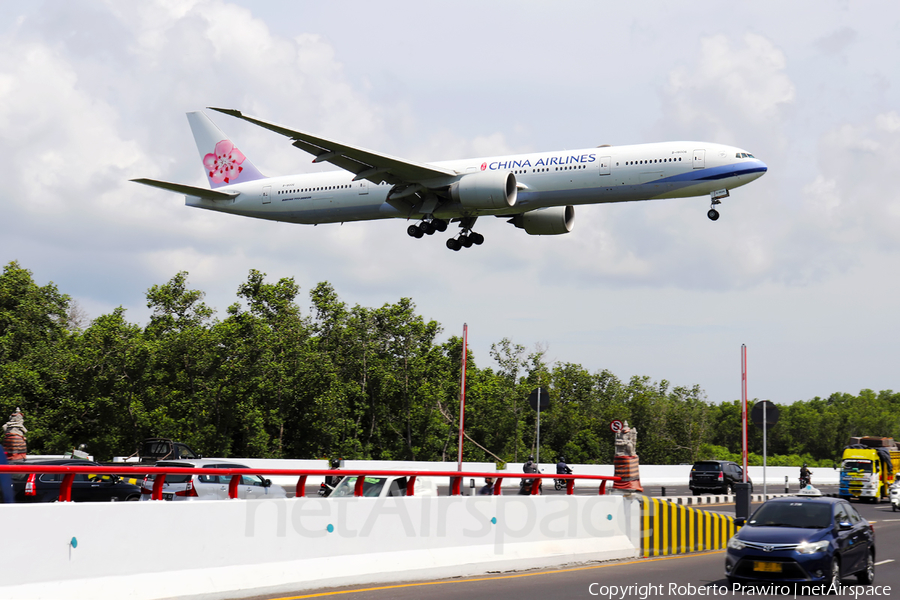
x: 761, y: 168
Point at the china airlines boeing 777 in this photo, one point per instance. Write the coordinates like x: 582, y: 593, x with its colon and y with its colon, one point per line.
x: 535, y: 192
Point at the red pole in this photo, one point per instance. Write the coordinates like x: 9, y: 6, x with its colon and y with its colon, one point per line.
x: 744, y: 407
x: 462, y: 395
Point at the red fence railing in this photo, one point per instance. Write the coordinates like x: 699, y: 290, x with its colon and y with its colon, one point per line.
x: 456, y: 477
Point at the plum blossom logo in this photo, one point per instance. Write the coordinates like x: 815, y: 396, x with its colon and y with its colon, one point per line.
x: 224, y: 165
x: 483, y: 166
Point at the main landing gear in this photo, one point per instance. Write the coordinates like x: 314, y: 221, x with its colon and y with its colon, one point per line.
x: 465, y: 240
x: 467, y: 237
x: 426, y: 228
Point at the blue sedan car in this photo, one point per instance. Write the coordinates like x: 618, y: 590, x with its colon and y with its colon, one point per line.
x: 804, y: 539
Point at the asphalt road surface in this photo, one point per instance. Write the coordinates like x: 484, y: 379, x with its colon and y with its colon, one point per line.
x: 683, y: 576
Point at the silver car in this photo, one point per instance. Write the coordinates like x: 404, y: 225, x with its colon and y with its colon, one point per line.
x: 212, y: 486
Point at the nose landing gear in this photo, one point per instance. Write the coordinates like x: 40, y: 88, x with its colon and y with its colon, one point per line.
x: 716, y: 198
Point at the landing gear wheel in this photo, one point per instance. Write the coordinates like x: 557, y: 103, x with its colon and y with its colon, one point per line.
x: 440, y: 225
x: 427, y: 227
x: 466, y: 241
x: 476, y: 238
x: 453, y: 244
x: 414, y: 231
x: 713, y: 214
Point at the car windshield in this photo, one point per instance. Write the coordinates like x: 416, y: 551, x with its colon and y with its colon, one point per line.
x: 810, y: 515
x: 371, y: 487
x: 858, y: 465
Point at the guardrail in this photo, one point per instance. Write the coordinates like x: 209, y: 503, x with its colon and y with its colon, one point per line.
x: 456, y: 477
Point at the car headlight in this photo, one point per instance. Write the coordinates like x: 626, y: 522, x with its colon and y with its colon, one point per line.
x: 735, y: 544
x: 811, y: 547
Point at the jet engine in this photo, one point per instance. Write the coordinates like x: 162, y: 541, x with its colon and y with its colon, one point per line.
x: 553, y: 220
x: 485, y: 190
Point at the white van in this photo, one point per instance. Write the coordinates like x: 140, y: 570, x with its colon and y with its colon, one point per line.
x: 381, y: 486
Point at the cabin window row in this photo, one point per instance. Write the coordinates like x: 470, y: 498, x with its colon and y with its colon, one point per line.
x: 315, y: 189
x: 653, y: 161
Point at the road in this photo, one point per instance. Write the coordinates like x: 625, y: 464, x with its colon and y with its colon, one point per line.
x: 682, y: 576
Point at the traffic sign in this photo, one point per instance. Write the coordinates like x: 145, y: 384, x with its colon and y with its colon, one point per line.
x: 756, y: 415
x: 544, y: 396
x: 616, y: 426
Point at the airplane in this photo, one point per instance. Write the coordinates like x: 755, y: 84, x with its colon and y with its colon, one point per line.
x: 536, y: 192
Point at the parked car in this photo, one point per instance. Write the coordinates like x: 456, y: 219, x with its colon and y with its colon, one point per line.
x: 382, y: 487
x: 716, y: 476
x: 152, y: 450
x: 807, y: 539
x: 44, y: 487
x: 212, y: 486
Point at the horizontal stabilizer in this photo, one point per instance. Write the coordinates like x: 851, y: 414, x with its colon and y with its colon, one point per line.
x: 188, y: 190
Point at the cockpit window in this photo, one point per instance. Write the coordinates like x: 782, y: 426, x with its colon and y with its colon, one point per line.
x: 744, y: 155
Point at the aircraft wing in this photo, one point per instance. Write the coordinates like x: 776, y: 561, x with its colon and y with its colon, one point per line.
x: 188, y: 190
x: 365, y: 164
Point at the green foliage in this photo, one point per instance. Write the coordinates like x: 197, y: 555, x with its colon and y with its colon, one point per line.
x: 356, y: 382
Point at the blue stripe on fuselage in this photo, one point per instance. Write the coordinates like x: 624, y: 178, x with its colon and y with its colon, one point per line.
x: 724, y: 172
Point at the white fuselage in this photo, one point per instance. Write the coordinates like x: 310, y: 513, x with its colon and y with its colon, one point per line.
x: 587, y: 176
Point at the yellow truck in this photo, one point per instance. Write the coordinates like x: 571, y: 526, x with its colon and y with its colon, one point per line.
x: 869, y: 466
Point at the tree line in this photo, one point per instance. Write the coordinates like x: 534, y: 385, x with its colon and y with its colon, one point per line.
x: 270, y: 380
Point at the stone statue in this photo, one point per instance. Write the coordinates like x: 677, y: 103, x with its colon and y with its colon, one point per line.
x: 14, y: 436
x: 626, y: 441
x: 626, y: 462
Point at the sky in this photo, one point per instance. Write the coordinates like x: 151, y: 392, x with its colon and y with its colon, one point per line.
x: 802, y: 266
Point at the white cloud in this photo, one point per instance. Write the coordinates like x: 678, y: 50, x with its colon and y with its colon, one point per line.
x: 728, y: 89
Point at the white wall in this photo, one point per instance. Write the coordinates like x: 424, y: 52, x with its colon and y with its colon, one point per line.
x: 145, y: 550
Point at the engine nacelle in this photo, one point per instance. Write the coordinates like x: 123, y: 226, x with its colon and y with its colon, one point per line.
x: 553, y: 220
x: 486, y: 190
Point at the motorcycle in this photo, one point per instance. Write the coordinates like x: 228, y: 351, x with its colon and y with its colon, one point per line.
x: 560, y: 484
x: 895, y: 497
x: 325, y: 489
x: 805, y: 481
x: 525, y: 486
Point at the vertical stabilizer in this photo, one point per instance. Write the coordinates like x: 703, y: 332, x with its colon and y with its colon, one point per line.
x: 223, y: 162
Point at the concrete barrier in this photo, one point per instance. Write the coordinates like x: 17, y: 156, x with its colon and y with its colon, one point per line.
x: 212, y: 549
